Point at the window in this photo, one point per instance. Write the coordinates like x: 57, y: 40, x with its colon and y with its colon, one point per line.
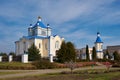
x: 46, y: 47
x: 43, y: 33
x: 57, y: 44
x: 39, y: 45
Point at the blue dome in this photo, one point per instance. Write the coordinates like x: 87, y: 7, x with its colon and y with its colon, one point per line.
x: 39, y: 23
x: 98, y: 40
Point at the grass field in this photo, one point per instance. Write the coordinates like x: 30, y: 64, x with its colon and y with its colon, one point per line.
x: 87, y: 74
x: 16, y: 65
x: 100, y: 76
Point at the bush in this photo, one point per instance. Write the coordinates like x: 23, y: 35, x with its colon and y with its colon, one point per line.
x: 44, y: 64
x: 116, y: 65
x: 5, y: 58
x: 82, y: 64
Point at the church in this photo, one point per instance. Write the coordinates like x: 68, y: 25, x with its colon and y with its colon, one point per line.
x: 99, y: 46
x: 40, y: 35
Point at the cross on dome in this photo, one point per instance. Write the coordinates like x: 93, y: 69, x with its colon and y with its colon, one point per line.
x: 39, y: 18
x: 98, y: 34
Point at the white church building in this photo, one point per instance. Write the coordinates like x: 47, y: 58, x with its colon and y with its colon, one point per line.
x: 40, y: 35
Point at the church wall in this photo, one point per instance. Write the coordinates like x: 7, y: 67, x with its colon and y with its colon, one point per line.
x: 98, y: 46
x: 17, y: 47
x: 100, y: 55
x: 99, y: 50
x: 45, y: 47
x: 21, y: 49
x: 53, y: 41
x: 38, y: 44
x: 48, y: 32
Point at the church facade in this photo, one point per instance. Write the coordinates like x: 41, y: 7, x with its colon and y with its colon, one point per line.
x: 41, y: 36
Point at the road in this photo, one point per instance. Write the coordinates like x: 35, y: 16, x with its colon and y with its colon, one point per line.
x: 22, y: 73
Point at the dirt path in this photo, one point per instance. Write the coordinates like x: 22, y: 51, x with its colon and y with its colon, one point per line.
x: 22, y: 73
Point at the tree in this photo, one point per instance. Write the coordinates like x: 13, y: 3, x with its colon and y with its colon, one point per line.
x: 94, y: 56
x: 71, y: 54
x: 33, y: 53
x: 104, y: 56
x: 71, y: 65
x: 108, y: 54
x: 12, y: 53
x: 61, y: 52
x: 66, y: 53
x: 3, y: 54
x: 116, y: 56
x: 87, y: 53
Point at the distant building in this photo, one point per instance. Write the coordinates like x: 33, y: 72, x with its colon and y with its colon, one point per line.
x: 41, y: 36
x: 81, y: 53
x: 112, y: 49
x: 78, y: 53
x: 99, y: 47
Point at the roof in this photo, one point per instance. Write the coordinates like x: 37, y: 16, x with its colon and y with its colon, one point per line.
x: 40, y: 23
x: 35, y: 37
x: 98, y: 39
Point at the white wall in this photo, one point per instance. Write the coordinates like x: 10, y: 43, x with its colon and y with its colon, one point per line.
x: 25, y: 58
x: 10, y: 58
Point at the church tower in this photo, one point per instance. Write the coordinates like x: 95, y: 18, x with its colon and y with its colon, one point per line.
x: 39, y: 29
x: 99, y: 46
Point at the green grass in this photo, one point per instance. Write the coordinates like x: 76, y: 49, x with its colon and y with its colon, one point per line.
x: 13, y: 64
x: 16, y: 65
x: 58, y: 76
x: 104, y: 76
x: 14, y: 72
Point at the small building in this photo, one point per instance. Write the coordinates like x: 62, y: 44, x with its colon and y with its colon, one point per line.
x: 99, y: 47
x: 40, y: 35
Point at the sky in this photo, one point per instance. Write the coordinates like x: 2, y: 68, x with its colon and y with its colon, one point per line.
x: 77, y: 21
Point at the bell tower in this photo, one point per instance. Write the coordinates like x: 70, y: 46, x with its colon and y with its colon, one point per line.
x: 99, y: 46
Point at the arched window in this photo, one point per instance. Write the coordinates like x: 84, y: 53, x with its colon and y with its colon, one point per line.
x: 46, y: 46
x: 39, y: 45
x: 57, y: 44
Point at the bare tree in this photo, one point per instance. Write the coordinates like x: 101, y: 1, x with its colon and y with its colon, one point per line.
x: 71, y: 65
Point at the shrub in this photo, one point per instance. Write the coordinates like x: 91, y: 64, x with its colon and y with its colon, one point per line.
x: 60, y: 65
x: 116, y: 65
x: 44, y: 64
x: 82, y: 64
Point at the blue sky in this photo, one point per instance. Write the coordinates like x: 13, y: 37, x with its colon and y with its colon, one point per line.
x: 76, y: 20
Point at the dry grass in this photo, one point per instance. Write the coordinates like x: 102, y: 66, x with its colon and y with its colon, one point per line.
x: 16, y: 65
